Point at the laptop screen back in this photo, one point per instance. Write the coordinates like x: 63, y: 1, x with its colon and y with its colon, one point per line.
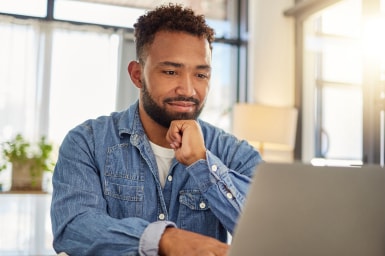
x: 299, y: 209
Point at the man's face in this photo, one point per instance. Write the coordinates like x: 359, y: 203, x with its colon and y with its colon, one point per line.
x: 175, y: 77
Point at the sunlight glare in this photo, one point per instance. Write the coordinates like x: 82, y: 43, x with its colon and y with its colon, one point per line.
x: 374, y: 38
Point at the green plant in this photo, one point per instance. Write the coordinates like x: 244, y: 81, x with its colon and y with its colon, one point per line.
x: 19, y: 150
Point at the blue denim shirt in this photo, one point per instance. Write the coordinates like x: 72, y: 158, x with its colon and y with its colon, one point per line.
x: 107, y: 198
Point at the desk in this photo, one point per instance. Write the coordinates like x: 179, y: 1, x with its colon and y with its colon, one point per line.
x: 25, y: 224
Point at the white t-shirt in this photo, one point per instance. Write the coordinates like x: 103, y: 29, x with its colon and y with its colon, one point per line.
x: 164, y: 158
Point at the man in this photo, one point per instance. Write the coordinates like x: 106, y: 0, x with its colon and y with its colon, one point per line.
x: 154, y: 179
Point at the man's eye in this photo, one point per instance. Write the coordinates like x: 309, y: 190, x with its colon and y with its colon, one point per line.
x: 169, y: 72
x: 203, y: 76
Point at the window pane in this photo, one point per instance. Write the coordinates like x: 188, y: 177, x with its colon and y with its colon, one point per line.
x: 212, y: 9
x: 37, y: 8
x: 333, y: 82
x: 342, y: 122
x: 341, y: 61
x: 96, y: 13
x: 222, y: 90
x: 83, y: 80
x: 343, y: 19
x: 222, y: 28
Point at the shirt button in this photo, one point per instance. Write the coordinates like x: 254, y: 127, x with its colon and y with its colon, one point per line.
x: 169, y: 178
x: 161, y: 216
x: 214, y: 168
x: 202, y: 205
x: 229, y: 195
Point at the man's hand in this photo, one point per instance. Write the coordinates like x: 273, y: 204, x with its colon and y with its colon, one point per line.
x: 185, y: 137
x: 177, y: 242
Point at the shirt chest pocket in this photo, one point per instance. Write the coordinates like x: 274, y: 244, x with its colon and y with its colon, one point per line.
x: 123, y: 189
x: 123, y: 176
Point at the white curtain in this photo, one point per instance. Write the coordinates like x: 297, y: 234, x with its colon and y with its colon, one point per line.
x: 53, y: 76
x: 83, y: 78
x: 19, y: 44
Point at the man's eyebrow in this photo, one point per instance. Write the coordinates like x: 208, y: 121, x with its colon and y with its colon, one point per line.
x: 179, y: 65
x: 170, y: 63
x: 204, y: 67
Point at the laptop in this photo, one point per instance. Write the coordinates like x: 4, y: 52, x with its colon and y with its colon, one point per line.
x: 303, y: 210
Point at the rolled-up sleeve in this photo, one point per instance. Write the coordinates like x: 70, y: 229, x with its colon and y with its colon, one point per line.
x: 149, y: 241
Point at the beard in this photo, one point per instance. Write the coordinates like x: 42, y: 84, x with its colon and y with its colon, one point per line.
x: 163, y: 117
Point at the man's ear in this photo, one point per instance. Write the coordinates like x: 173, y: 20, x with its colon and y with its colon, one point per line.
x: 135, y: 72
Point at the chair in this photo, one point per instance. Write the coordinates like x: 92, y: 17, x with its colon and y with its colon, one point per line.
x: 270, y: 129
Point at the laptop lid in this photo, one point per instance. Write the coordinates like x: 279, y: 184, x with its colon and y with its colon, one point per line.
x: 299, y: 209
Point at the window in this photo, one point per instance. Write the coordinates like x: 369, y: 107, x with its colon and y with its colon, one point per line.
x: 341, y: 91
x: 96, y: 13
x: 83, y: 81
x: 333, y: 75
x: 51, y: 67
x: 36, y: 8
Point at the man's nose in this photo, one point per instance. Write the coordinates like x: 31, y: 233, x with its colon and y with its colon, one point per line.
x: 186, y: 85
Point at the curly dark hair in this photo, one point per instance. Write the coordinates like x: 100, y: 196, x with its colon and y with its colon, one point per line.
x: 171, y: 17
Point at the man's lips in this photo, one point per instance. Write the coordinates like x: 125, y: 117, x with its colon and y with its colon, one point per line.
x: 182, y: 105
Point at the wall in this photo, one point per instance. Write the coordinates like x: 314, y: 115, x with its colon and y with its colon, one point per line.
x: 271, y: 62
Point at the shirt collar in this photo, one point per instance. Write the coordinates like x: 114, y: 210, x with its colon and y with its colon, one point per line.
x: 129, y: 121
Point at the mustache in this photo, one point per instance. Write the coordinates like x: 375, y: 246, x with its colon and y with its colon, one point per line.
x: 182, y: 98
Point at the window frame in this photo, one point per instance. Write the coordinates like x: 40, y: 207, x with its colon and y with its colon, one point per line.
x: 372, y: 145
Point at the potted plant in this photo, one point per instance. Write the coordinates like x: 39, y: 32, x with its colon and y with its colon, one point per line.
x: 29, y: 161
